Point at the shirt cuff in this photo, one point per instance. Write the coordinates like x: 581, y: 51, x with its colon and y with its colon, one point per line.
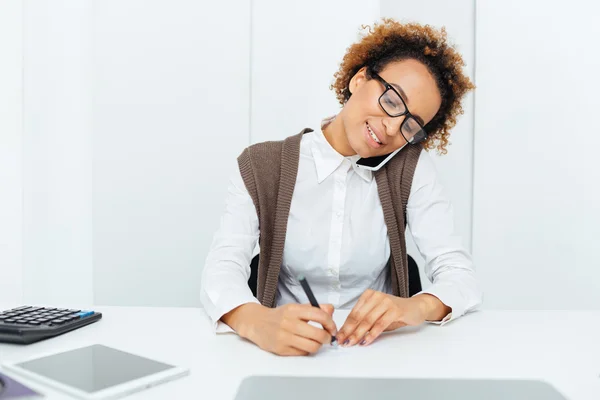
x: 226, y: 305
x: 448, y: 295
x: 222, y: 327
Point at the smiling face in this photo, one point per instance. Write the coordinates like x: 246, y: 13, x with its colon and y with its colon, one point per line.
x: 362, y: 115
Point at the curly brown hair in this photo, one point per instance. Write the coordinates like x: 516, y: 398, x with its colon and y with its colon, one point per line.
x: 390, y: 41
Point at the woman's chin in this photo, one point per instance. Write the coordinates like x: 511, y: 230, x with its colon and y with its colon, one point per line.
x: 362, y: 152
x: 367, y: 152
x: 361, y: 149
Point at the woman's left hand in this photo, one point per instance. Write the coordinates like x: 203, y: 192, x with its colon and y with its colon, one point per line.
x: 376, y: 312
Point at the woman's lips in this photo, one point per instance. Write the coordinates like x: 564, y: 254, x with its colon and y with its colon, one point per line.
x: 370, y: 139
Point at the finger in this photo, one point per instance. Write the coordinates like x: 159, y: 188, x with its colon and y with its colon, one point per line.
x: 367, y: 323
x: 307, y: 312
x: 301, y: 328
x: 328, y: 308
x: 292, y: 351
x: 356, y: 316
x: 364, y: 298
x: 282, y: 345
x: 382, y: 324
x: 304, y: 344
x: 353, y: 318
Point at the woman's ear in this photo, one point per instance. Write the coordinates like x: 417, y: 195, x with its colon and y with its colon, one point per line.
x: 357, y: 80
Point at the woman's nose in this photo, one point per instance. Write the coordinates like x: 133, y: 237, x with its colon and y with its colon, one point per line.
x: 392, y: 125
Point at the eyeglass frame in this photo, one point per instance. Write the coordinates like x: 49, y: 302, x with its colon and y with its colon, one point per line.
x: 407, y: 112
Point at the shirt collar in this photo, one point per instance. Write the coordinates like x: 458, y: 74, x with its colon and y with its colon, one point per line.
x: 327, y: 159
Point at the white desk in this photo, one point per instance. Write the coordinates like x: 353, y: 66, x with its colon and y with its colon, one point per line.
x: 561, y: 347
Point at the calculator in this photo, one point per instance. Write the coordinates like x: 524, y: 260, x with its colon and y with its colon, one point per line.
x: 29, y: 324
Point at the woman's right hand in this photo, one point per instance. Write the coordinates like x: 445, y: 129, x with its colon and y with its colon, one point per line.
x: 284, y: 330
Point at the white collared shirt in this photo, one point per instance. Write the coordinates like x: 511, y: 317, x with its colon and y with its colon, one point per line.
x: 337, y: 238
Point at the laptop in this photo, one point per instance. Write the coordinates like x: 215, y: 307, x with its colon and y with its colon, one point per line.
x: 303, y: 388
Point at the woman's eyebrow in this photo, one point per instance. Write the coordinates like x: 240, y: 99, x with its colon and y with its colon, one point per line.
x: 403, y: 95
x: 399, y: 89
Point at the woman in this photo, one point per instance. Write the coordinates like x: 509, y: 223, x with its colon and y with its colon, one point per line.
x: 317, y: 212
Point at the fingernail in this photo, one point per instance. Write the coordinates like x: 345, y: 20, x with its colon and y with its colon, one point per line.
x: 363, y: 342
x: 346, y: 342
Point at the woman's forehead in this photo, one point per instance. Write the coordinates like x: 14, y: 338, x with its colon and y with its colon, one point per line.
x: 417, y: 82
x: 408, y: 73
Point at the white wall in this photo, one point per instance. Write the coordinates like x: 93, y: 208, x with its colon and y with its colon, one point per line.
x: 143, y: 211
x: 11, y: 186
x: 537, y: 174
x: 296, y: 49
x: 455, y: 169
x: 57, y: 262
x: 134, y: 112
x: 170, y: 116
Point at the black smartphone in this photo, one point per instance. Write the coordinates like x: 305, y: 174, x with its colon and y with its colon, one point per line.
x: 375, y: 163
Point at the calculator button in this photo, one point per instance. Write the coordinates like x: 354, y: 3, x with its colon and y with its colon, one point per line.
x: 4, y: 317
x: 20, y: 308
x: 34, y: 323
x: 10, y: 321
x: 84, y: 314
x: 20, y: 321
x: 74, y: 311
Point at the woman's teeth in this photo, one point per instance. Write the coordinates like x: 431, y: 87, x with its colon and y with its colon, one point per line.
x: 373, y: 135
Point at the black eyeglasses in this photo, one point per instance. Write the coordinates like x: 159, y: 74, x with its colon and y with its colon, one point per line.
x: 393, y: 104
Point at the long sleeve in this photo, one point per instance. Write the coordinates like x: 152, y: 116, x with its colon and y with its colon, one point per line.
x: 225, y: 276
x: 449, y: 266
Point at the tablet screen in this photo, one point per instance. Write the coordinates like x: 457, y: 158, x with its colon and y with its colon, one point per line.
x: 94, y: 368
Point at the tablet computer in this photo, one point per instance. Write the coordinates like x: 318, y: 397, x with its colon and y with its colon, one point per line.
x: 96, y: 372
x: 353, y: 388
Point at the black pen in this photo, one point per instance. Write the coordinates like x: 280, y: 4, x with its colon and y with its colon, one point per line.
x: 311, y: 298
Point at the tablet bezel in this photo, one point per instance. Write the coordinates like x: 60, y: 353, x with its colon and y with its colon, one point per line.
x: 114, y: 392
